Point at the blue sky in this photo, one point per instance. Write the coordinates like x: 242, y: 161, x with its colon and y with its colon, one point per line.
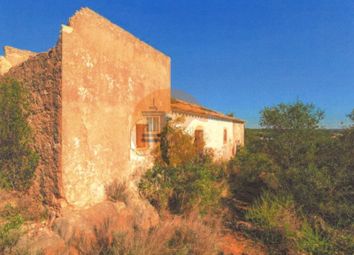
x: 231, y: 55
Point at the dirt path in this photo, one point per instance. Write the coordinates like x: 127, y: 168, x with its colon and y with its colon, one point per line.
x: 237, y: 244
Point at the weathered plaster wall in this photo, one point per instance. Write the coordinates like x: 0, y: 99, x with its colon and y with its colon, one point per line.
x: 41, y: 74
x: 109, y: 77
x: 213, y: 133
x: 239, y: 133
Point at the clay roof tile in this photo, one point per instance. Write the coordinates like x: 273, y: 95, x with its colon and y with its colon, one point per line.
x: 180, y: 106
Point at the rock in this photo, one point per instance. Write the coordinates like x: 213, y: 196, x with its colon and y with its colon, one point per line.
x: 5, y: 65
x: 86, y: 228
x: 43, y: 241
x: 90, y: 227
x: 145, y: 214
x: 17, y: 56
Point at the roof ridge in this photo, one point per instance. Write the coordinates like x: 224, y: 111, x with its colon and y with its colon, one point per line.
x: 207, y: 112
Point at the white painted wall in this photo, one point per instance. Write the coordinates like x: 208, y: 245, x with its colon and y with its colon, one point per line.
x: 214, y: 133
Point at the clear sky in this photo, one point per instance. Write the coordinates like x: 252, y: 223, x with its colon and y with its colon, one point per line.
x: 231, y: 55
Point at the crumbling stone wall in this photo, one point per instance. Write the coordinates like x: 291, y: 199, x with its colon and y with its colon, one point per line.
x: 41, y: 74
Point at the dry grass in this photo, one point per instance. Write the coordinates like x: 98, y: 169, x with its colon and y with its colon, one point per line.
x: 176, y: 235
x: 117, y: 191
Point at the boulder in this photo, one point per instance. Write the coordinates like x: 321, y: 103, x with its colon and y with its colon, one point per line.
x: 41, y: 241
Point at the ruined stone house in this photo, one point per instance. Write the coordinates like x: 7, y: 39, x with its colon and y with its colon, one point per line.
x: 100, y: 99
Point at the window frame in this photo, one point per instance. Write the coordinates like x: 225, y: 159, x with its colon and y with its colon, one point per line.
x: 155, y: 123
x: 153, y: 134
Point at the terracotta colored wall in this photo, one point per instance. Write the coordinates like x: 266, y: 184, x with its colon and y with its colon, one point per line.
x: 109, y: 77
x: 41, y: 74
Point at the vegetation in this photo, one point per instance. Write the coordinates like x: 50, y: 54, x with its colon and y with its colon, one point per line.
x: 18, y: 159
x: 291, y: 186
x: 175, y: 236
x: 184, y: 178
x: 117, y: 191
x: 184, y: 188
x: 295, y: 179
x: 10, y: 232
x: 313, y: 167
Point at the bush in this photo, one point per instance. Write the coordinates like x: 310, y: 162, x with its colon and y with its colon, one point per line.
x: 183, y: 188
x: 251, y: 174
x: 117, y: 191
x: 315, y: 167
x: 177, y: 147
x: 18, y: 160
x: 285, y: 229
x: 27, y: 207
x: 311, y: 241
x: 10, y: 233
x: 174, y: 237
x: 184, y: 177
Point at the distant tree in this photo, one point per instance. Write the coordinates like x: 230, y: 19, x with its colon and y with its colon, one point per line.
x: 291, y: 139
x: 351, y: 115
x: 295, y: 116
x: 18, y: 159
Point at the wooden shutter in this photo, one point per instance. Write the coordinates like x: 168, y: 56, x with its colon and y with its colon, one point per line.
x: 140, y: 135
x: 225, y: 136
x: 198, y: 137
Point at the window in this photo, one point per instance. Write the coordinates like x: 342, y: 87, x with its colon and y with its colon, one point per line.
x: 225, y: 136
x: 153, y: 128
x: 148, y: 131
x: 153, y: 123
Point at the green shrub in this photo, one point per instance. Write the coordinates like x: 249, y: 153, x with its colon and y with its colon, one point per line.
x: 178, y: 147
x: 184, y: 177
x: 183, y: 188
x: 315, y: 167
x: 10, y: 232
x: 18, y: 160
x: 251, y: 174
x: 311, y: 241
x: 284, y: 229
x: 276, y: 216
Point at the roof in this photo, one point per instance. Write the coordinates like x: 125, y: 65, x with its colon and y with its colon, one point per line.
x: 179, y: 106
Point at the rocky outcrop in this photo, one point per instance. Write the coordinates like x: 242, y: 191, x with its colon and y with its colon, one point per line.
x: 5, y: 65
x: 41, y: 240
x: 79, y: 231
x: 13, y: 57
x: 17, y: 56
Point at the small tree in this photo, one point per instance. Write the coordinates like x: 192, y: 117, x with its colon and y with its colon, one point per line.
x: 18, y: 160
x: 292, y: 136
